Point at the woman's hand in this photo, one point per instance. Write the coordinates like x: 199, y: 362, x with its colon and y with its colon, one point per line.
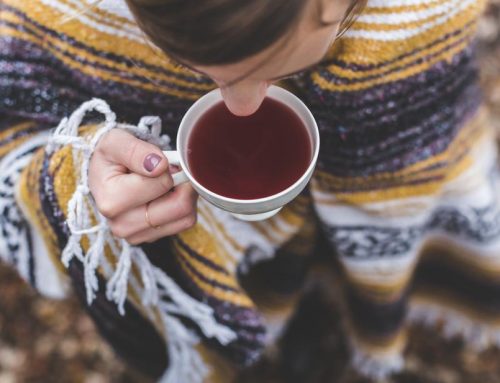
x: 129, y: 177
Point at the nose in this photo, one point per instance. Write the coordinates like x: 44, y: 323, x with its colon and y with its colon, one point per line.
x: 245, y: 97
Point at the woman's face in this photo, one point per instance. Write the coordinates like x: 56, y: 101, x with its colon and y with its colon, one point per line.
x: 244, y: 84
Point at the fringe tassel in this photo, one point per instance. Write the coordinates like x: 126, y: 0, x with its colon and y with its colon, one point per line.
x: 184, y: 362
x: 158, y: 289
x: 116, y: 290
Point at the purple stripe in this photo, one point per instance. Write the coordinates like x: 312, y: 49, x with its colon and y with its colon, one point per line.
x: 108, y: 55
x: 340, y: 80
x: 126, y: 76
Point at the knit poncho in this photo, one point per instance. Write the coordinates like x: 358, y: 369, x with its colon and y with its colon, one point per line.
x: 405, y: 191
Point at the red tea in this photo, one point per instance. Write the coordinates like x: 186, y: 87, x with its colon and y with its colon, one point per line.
x: 249, y: 157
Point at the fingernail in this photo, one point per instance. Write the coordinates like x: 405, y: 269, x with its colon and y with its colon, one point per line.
x: 151, y: 162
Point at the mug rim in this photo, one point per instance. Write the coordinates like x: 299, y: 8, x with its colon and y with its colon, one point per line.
x: 272, y: 88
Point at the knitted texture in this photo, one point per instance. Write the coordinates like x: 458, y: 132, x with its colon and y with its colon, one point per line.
x: 405, y: 189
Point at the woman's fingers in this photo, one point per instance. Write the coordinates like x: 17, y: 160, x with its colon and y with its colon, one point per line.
x: 126, y: 175
x: 123, y: 192
x: 135, y: 155
x: 151, y: 235
x: 126, y: 172
x: 171, y: 213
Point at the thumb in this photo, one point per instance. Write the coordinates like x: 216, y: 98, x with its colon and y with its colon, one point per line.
x: 138, y: 156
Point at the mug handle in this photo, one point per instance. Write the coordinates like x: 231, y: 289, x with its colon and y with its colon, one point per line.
x: 173, y: 158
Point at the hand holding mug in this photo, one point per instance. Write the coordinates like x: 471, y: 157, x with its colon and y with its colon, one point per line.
x: 131, y: 183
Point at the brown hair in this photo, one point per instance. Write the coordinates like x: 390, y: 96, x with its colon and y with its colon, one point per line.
x: 211, y: 32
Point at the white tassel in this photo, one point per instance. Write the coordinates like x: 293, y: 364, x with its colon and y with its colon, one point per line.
x: 186, y: 365
x: 91, y: 262
x: 72, y: 249
x: 116, y: 289
x: 158, y: 289
x: 150, y: 294
x: 184, y: 304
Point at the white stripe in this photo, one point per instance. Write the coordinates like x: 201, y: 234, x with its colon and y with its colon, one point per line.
x: 242, y: 232
x: 227, y: 246
x: 404, y: 33
x: 397, y: 3
x: 116, y: 7
x: 408, y: 17
x: 383, y: 271
x: 134, y: 34
x: 373, y: 214
x: 48, y: 280
x: 286, y: 227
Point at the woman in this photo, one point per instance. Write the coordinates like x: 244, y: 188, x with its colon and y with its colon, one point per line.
x: 406, y: 174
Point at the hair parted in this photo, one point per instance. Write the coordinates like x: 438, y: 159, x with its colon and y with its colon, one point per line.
x: 212, y: 32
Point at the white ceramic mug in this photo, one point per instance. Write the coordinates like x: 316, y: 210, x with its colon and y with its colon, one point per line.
x: 247, y: 209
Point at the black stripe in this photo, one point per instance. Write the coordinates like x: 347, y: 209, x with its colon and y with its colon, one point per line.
x: 337, y: 79
x: 132, y: 336
x: 478, y: 293
x: 246, y: 322
x: 31, y: 258
x: 95, y: 64
x: 205, y: 279
x: 200, y: 258
x: 108, y: 55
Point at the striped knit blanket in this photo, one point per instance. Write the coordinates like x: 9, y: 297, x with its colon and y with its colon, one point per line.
x: 405, y: 191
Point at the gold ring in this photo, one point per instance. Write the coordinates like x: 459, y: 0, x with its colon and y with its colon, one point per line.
x: 148, y: 221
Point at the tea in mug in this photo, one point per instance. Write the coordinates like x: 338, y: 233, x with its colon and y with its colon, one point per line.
x: 249, y: 157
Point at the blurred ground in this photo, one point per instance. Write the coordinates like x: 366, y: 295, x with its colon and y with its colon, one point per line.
x: 49, y: 341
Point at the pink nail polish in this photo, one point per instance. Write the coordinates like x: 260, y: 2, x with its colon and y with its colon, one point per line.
x: 151, y: 162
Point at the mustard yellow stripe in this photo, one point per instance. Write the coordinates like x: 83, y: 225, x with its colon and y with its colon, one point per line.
x: 29, y: 196
x: 214, y: 291
x: 92, y: 71
x: 289, y: 215
x: 117, y: 67
x: 207, y: 214
x: 270, y: 225
x: 400, y: 192
x: 16, y: 128
x: 264, y: 232
x: 378, y: 52
x: 101, y: 41
x: 201, y: 242
x: 411, y: 59
x: 400, y: 75
x: 207, y: 271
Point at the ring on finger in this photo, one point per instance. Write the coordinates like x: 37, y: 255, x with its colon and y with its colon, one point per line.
x: 148, y: 219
